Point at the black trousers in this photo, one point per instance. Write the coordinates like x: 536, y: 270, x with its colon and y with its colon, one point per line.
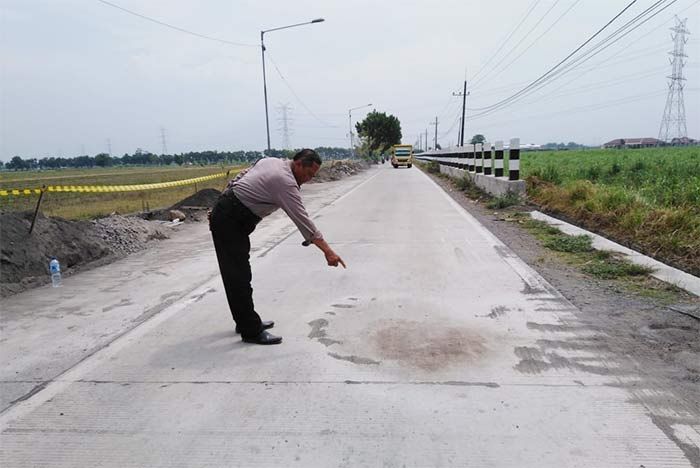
x: 231, y: 223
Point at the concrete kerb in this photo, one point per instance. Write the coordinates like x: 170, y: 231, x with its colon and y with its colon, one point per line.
x: 496, y: 186
x: 661, y: 271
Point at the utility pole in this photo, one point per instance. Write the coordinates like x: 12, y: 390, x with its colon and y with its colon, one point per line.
x: 109, y: 147
x: 426, y: 139
x: 436, y: 129
x: 164, y: 147
x: 459, y: 132
x: 464, y: 95
x: 673, y: 123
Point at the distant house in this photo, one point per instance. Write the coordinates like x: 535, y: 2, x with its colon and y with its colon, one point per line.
x: 684, y: 141
x: 620, y: 143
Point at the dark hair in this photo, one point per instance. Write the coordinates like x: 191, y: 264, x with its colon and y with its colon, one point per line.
x: 308, y: 157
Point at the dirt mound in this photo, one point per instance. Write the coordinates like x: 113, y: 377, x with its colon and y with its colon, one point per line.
x: 205, y: 198
x: 336, y: 170
x: 24, y: 257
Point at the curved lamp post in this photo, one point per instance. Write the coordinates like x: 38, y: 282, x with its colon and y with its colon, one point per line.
x: 262, y: 47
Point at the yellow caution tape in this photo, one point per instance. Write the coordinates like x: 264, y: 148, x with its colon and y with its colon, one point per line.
x: 110, y: 188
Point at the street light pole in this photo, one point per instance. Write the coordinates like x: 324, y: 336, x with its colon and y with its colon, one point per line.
x: 267, y: 119
x: 262, y: 48
x: 350, y: 134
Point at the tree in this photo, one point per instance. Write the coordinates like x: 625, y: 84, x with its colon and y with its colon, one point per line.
x: 478, y: 138
x: 379, y: 131
x: 17, y: 164
x: 103, y: 160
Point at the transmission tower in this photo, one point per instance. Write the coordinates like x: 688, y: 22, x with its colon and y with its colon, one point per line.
x: 162, y: 139
x: 673, y: 121
x: 285, y: 121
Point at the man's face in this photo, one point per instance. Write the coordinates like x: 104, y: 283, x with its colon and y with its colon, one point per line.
x: 304, y: 174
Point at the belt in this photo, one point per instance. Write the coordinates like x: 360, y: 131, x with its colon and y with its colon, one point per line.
x: 230, y: 212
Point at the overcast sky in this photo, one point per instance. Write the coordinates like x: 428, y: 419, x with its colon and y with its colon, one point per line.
x: 79, y: 73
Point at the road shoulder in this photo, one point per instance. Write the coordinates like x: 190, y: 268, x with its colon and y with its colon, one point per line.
x: 664, y: 343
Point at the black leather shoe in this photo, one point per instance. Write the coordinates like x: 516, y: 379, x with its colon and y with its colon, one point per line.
x: 265, y: 338
x: 265, y: 323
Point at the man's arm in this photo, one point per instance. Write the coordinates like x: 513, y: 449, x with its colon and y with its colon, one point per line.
x: 331, y: 257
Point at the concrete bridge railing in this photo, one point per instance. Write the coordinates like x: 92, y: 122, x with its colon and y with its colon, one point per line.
x: 483, y: 164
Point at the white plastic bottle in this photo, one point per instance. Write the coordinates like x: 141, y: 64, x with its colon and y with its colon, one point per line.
x: 55, y: 269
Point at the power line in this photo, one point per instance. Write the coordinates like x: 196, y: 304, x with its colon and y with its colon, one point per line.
x: 269, y: 56
x: 505, y: 41
x: 596, y: 49
x: 553, y: 73
x: 176, y: 28
x: 540, y: 36
x: 452, y: 127
x: 580, y: 109
x: 634, y: 55
x: 519, y: 42
x: 591, y: 87
x: 538, y: 80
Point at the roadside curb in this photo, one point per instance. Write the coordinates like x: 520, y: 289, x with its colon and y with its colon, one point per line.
x: 661, y: 271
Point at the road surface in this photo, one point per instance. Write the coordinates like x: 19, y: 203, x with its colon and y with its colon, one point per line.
x: 437, y: 346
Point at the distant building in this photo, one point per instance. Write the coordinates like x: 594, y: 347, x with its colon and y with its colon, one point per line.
x: 684, y: 141
x: 633, y: 143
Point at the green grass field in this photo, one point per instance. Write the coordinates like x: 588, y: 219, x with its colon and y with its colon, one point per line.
x: 648, y: 199
x: 90, y: 205
x: 661, y: 177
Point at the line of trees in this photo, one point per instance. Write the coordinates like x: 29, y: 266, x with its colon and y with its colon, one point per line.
x: 145, y: 158
x: 562, y: 145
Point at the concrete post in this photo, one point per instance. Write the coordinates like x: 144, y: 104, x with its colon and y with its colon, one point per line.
x: 514, y: 159
x: 478, y: 149
x: 487, y: 158
x: 470, y: 158
x: 498, y: 160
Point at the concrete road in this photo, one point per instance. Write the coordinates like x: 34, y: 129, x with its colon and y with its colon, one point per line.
x: 437, y: 346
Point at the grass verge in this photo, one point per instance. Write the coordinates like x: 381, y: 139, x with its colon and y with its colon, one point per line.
x: 602, y: 265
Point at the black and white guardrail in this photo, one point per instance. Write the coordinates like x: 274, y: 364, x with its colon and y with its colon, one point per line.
x: 487, y: 159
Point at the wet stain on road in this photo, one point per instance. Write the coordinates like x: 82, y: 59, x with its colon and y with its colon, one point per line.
x: 557, y: 327
x: 497, y: 312
x: 535, y: 361
x: 428, y: 346
x: 170, y: 294
x: 122, y: 303
x: 328, y: 342
x: 355, y: 359
x: 199, y: 297
x: 317, y: 328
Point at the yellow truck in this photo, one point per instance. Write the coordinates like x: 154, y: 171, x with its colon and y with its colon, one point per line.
x: 402, y: 155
